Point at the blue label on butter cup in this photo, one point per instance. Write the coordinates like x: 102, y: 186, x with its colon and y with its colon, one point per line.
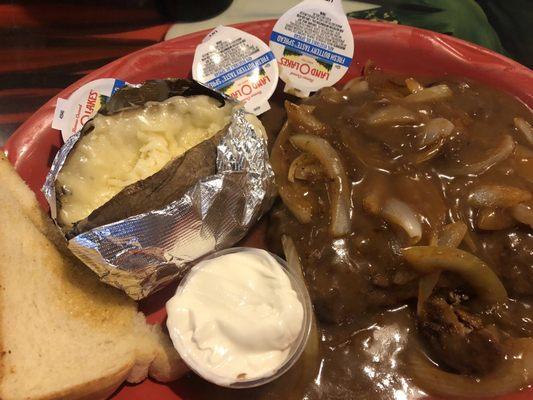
x: 71, y: 114
x: 310, y: 49
x: 239, y: 71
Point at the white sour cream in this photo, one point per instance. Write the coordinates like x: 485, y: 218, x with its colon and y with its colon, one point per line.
x: 236, y: 317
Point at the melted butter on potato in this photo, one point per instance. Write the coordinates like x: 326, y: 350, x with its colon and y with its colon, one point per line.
x: 132, y: 145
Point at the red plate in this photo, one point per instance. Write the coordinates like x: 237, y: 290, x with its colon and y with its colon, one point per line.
x: 392, y: 47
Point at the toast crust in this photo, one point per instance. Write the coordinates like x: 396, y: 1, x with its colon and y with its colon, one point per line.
x: 89, y: 301
x: 97, y: 389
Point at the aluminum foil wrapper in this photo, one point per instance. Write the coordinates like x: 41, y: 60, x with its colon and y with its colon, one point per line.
x: 145, y: 252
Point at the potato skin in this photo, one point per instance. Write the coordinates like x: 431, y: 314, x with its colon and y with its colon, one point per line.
x: 168, y: 184
x: 155, y: 90
x: 158, y: 190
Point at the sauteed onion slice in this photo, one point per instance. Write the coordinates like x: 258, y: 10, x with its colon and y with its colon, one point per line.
x: 334, y: 170
x: 300, y: 117
x: 512, y: 375
x: 497, y: 196
x: 394, y: 114
x: 494, y: 219
x: 500, y: 153
x: 413, y: 85
x: 356, y: 86
x: 451, y: 235
x: 433, y: 93
x: 293, y: 197
x: 426, y: 284
x: 523, y: 213
x: 304, y: 167
x: 399, y: 213
x: 434, y: 130
x: 291, y: 255
x: 427, y: 259
x: 525, y: 128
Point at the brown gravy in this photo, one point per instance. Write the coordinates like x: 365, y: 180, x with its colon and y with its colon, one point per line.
x: 363, y: 290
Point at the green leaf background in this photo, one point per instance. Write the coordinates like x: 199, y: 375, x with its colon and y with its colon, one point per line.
x: 505, y: 26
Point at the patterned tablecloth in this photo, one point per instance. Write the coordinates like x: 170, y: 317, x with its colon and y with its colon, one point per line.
x: 45, y: 46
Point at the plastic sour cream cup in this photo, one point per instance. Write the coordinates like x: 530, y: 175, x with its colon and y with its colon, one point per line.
x: 239, y: 65
x: 240, y: 318
x: 313, y: 44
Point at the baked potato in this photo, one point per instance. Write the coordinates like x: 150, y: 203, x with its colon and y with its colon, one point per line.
x: 143, y: 150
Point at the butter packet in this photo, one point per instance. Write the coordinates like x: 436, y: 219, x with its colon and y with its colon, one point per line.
x: 238, y: 65
x: 71, y: 114
x: 313, y: 44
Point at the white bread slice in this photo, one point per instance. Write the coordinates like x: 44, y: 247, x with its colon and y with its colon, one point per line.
x: 11, y: 181
x: 63, y: 333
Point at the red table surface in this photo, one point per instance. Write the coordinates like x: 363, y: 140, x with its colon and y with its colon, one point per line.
x: 393, y: 47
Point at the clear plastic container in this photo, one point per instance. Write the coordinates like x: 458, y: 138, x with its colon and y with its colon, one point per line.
x: 298, y: 345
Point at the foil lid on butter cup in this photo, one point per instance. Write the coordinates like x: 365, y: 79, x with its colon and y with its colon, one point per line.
x: 239, y: 65
x: 145, y: 252
x: 313, y: 44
